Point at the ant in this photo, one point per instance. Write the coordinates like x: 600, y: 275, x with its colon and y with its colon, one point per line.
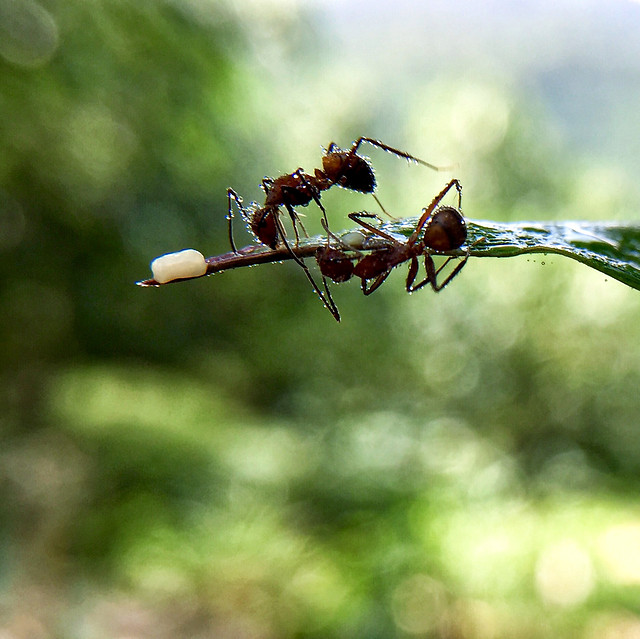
x: 266, y: 225
x: 335, y: 263
x: 444, y: 230
x: 344, y: 168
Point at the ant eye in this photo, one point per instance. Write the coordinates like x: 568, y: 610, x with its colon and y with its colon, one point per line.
x: 175, y: 266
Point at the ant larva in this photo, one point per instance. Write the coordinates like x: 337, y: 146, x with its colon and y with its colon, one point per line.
x: 185, y: 264
x: 444, y: 230
x: 344, y: 168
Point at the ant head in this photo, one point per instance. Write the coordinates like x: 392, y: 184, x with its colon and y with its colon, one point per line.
x: 446, y: 229
x: 349, y: 170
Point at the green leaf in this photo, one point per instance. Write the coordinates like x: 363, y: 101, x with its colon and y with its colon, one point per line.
x: 613, y: 249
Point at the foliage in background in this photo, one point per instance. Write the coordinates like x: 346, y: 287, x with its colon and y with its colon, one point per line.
x: 219, y: 458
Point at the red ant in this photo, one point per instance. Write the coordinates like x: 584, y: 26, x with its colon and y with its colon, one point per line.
x: 444, y: 230
x: 335, y: 263
x: 266, y: 224
x: 344, y: 168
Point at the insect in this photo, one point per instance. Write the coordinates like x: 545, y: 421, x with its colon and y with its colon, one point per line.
x: 344, y: 168
x: 439, y: 229
x: 265, y: 223
x: 335, y: 263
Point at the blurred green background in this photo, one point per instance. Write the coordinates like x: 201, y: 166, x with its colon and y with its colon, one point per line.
x: 221, y: 459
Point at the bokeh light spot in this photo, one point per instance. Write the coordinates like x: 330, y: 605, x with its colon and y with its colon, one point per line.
x: 564, y: 574
x: 479, y: 117
x: 28, y: 33
x: 620, y: 550
x: 419, y: 603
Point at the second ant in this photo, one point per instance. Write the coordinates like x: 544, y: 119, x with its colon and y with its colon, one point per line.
x: 439, y: 229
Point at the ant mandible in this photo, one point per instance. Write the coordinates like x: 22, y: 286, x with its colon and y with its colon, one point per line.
x: 444, y: 230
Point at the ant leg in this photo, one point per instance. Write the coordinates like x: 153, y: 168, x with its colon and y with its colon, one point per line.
x: 315, y: 194
x: 282, y: 233
x: 391, y: 217
x: 331, y: 305
x: 459, y: 190
x: 376, y: 284
x: 434, y: 284
x: 426, y: 213
x: 232, y: 195
x: 411, y: 276
x: 295, y: 218
x: 402, y: 154
x: 358, y: 217
x: 328, y: 301
x: 432, y: 273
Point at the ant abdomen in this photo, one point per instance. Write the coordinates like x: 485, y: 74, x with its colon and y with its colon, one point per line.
x: 334, y: 264
x: 446, y: 230
x: 264, y: 227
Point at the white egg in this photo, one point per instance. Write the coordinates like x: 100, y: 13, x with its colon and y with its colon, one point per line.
x: 174, y: 266
x: 355, y: 239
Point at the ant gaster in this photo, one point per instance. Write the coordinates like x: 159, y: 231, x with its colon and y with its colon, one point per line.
x: 444, y: 230
x: 335, y: 263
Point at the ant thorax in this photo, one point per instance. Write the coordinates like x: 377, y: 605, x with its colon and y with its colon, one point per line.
x: 376, y: 263
x: 295, y: 189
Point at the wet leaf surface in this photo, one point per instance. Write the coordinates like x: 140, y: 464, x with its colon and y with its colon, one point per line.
x: 613, y: 249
